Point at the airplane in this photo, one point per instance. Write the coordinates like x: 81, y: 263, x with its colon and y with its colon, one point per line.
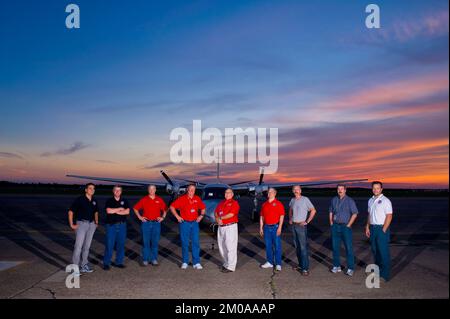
x: 213, y: 193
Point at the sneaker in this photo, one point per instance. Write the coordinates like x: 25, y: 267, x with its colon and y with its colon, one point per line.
x: 144, y: 264
x: 106, y: 267
x: 305, y: 273
x: 155, y: 263
x: 76, y: 272
x: 184, y: 266
x: 121, y: 266
x: 278, y: 268
x: 86, y: 269
x: 198, y: 266
x: 267, y: 265
x: 335, y: 270
x: 350, y: 272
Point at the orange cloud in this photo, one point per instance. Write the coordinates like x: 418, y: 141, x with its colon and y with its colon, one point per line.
x: 392, y: 93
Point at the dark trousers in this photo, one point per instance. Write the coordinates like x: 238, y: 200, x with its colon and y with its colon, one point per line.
x: 379, y: 242
x: 301, y: 245
x: 342, y: 233
x: 151, y: 232
x: 273, y: 244
x: 190, y: 232
x: 116, y: 235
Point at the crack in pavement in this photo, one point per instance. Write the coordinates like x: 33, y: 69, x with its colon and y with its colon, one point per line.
x: 35, y: 286
x: 53, y: 293
x: 272, y: 285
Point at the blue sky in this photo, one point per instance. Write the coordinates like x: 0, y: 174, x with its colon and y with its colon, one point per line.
x: 103, y: 99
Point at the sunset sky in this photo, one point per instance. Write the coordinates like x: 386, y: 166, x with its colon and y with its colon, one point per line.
x: 349, y: 102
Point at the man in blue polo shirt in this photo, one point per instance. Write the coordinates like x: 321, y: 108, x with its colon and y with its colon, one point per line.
x: 343, y: 213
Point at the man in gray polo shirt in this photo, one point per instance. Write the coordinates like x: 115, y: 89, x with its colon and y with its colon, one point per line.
x: 343, y: 213
x: 301, y: 213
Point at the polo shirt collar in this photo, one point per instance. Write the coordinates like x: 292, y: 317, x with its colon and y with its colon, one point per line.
x: 381, y: 195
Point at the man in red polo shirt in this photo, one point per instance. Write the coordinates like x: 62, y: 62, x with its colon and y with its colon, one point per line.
x: 226, y: 214
x: 154, y: 212
x: 189, y: 205
x: 270, y: 225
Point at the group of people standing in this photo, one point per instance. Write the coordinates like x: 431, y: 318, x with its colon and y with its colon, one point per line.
x: 189, y: 210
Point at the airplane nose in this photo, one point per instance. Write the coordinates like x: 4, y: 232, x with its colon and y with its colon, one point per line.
x: 211, y: 205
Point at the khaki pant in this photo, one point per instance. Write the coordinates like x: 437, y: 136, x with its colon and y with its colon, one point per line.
x: 227, y: 238
x: 84, y: 232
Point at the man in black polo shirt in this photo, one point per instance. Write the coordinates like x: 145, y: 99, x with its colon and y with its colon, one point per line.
x: 117, y: 210
x: 83, y: 218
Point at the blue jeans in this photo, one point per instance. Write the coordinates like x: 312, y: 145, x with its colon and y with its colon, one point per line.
x: 301, y: 245
x: 379, y: 242
x: 190, y: 232
x: 116, y: 235
x: 273, y: 243
x: 340, y: 232
x: 151, y: 232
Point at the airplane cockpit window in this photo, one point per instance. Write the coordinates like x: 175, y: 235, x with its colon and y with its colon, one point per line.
x: 214, y: 193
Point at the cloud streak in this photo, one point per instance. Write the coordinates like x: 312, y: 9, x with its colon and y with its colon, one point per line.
x: 10, y: 155
x: 75, y: 147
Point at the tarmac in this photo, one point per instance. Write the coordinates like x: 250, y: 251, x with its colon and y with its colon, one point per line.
x: 36, y: 246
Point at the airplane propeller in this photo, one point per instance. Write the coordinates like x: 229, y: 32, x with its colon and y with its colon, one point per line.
x: 257, y: 192
x: 172, y: 188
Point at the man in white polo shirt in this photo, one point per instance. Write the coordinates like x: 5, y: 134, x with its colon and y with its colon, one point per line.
x: 377, y: 228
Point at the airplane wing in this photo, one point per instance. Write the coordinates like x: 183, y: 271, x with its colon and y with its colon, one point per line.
x: 240, y: 187
x: 316, y: 183
x: 291, y: 184
x: 121, y: 181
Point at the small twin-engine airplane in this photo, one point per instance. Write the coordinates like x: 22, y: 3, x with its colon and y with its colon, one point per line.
x: 213, y: 193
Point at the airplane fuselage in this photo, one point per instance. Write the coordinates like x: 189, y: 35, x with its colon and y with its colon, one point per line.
x: 212, y: 195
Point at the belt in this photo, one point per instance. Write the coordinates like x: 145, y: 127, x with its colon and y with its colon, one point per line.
x: 116, y: 223
x: 271, y: 225
x: 341, y: 223
x: 298, y: 223
x: 84, y: 220
x: 227, y: 225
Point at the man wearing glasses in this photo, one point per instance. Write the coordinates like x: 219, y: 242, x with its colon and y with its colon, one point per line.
x: 226, y: 214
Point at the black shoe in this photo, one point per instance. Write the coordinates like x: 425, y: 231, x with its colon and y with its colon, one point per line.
x: 106, y: 267
x: 121, y: 266
x: 225, y: 270
x: 305, y: 273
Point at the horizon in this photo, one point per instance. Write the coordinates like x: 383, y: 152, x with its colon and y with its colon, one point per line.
x: 350, y: 186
